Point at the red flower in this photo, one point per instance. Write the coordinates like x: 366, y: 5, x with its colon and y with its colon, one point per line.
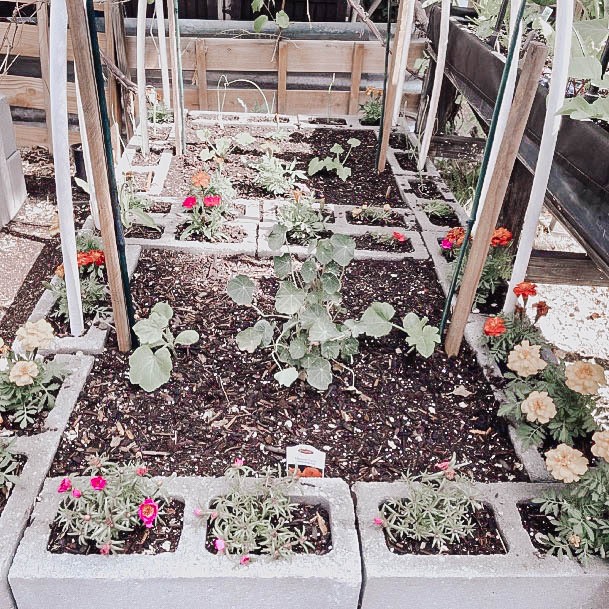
x: 399, y: 236
x: 141, y: 471
x: 542, y: 309
x: 212, y: 200
x: 525, y: 289
x: 98, y: 483
x: 105, y: 549
x: 310, y: 472
x: 189, y: 202
x: 494, y: 326
x: 455, y: 236
x: 501, y: 237
x: 96, y: 257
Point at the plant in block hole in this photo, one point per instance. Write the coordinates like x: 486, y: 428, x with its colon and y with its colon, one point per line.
x: 134, y: 208
x: 256, y: 516
x: 372, y: 214
x: 307, y: 333
x: 302, y: 219
x: 372, y: 108
x: 113, y: 501
x: 438, y: 209
x: 159, y: 114
x: 8, y: 470
x: 218, y: 149
x: 276, y: 176
x: 28, y: 383
x: 394, y: 240
x: 337, y: 162
x: 437, y: 509
x: 150, y: 365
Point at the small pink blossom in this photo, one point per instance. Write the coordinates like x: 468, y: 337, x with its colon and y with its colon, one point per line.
x: 219, y: 545
x: 98, y: 483
x: 238, y: 462
x: 189, y: 202
x: 212, y: 200
x: 105, y: 549
x: 141, y: 471
x: 198, y: 512
x: 76, y: 494
x: 148, y: 512
x: 447, y: 244
x: 64, y: 486
x: 245, y: 560
x: 378, y: 521
x: 445, y: 467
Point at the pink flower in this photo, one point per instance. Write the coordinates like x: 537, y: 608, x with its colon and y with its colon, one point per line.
x: 445, y: 467
x: 198, y: 512
x: 245, y: 560
x: 76, y: 494
x: 446, y: 244
x: 399, y: 236
x: 64, y: 486
x: 105, y: 549
x: 98, y: 483
x: 238, y: 462
x: 219, y: 545
x: 148, y: 512
x: 212, y: 200
x: 378, y: 521
x: 189, y: 202
x: 141, y: 471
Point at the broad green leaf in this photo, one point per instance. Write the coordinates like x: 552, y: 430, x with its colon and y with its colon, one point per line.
x: 349, y: 347
x: 286, y: 377
x: 310, y: 315
x: 257, y: 5
x: 266, y: 331
x: 206, y: 155
x: 244, y: 139
x: 150, y: 331
x: 277, y: 237
x: 337, y: 149
x: 139, y: 216
x: 344, y: 249
x: 187, y: 337
x: 585, y: 68
x: 298, y: 348
x: 376, y: 319
x: 324, y: 251
x: 330, y: 283
x: 420, y: 335
x: 343, y: 172
x: 204, y: 135
x: 241, y: 289
x: 323, y: 329
x: 353, y: 142
x: 330, y: 349
x: 282, y: 266
x: 162, y: 309
x: 319, y: 373
x: 289, y: 299
x: 249, y: 339
x: 150, y: 369
x: 282, y: 20
x: 308, y: 270
x: 315, y: 165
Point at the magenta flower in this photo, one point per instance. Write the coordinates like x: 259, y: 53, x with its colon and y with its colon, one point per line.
x: 148, y: 512
x: 189, y: 202
x: 198, y: 512
x: 76, y: 494
x: 378, y: 521
x: 245, y: 560
x: 219, y: 545
x: 141, y: 471
x: 447, y: 244
x: 212, y: 200
x: 98, y: 483
x: 238, y: 462
x: 105, y: 549
x: 64, y: 486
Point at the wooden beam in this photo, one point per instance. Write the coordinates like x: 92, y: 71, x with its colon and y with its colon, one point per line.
x: 356, y: 77
x: 457, y: 147
x: 515, y: 126
x: 282, y: 78
x: 118, y: 23
x: 42, y: 17
x: 200, y: 51
x: 516, y: 200
x: 568, y: 268
x: 79, y: 29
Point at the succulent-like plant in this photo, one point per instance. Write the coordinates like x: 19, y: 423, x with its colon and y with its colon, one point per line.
x: 8, y: 469
x: 276, y: 176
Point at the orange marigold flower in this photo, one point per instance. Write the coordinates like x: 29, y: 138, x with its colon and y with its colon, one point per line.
x: 525, y: 289
x: 456, y: 235
x: 310, y: 472
x: 60, y: 271
x: 201, y: 179
x: 501, y: 237
x: 494, y: 326
x: 542, y: 309
x: 96, y: 257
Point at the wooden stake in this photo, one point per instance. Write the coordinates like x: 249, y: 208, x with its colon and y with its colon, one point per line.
x: 81, y: 40
x: 517, y: 120
x: 392, y: 82
x: 282, y: 78
x: 201, y: 62
x: 176, y: 77
x: 357, y: 63
x: 112, y: 88
x: 142, y: 5
x: 42, y: 17
x: 117, y: 12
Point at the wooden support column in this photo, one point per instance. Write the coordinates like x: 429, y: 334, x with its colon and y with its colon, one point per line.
x: 282, y: 79
x: 83, y: 60
x: 176, y: 77
x: 357, y: 63
x: 42, y: 17
x: 498, y: 185
x: 516, y: 200
x: 201, y: 62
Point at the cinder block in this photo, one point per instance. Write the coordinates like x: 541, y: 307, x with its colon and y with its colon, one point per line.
x: 191, y: 577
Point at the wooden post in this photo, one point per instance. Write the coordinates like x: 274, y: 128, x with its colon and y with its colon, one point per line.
x: 112, y: 87
x: 392, y: 82
x: 42, y: 18
x: 176, y: 77
x: 141, y: 75
x: 160, y: 26
x: 516, y: 124
x: 357, y: 63
x: 118, y: 23
x: 201, y: 62
x: 83, y: 60
x: 282, y: 79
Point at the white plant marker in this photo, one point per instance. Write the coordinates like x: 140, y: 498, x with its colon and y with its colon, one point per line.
x: 437, y: 84
x: 160, y: 21
x: 551, y: 126
x: 58, y: 77
x: 504, y: 110
x: 403, y: 60
x: 141, y: 74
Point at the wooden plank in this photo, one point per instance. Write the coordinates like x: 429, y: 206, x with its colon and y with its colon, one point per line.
x: 29, y: 135
x: 567, y: 268
x: 516, y: 200
x: 457, y: 147
x: 42, y: 17
x: 29, y: 92
x: 201, y: 73
x: 357, y: 62
x: 282, y: 78
x: 118, y: 23
x: 516, y: 123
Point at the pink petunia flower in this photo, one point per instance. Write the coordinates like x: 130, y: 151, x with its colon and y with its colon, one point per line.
x: 245, y: 560
x: 105, y: 549
x: 212, y: 200
x: 238, y: 462
x: 219, y: 545
x: 99, y: 483
x: 141, y: 471
x: 64, y: 486
x: 378, y: 521
x: 76, y: 494
x: 148, y: 512
x: 446, y: 244
x: 189, y: 202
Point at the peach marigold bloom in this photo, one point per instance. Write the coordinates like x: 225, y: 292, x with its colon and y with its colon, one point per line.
x: 525, y: 289
x: 539, y: 407
x: 455, y: 236
x: 566, y: 464
x: 600, y: 448
x: 23, y: 373
x: 525, y: 359
x: 201, y: 179
x: 494, y: 326
x: 35, y: 335
x: 502, y: 237
x: 585, y: 377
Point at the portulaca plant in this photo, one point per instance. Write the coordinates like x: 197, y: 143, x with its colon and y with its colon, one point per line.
x: 307, y: 333
x: 8, y: 470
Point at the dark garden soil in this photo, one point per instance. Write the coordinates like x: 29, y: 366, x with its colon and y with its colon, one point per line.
x: 369, y: 241
x: 398, y: 141
x: 369, y: 123
x: 230, y: 234
x: 61, y: 326
x: 395, y: 219
x: 159, y: 207
x: 328, y: 121
x: 450, y: 220
x: 536, y: 525
x: 139, y: 231
x: 292, y: 240
x: 485, y: 539
x: 406, y: 160
x: 6, y: 493
x: 315, y: 521
x: 494, y: 303
x: 222, y: 403
x: 157, y: 540
x: 426, y: 189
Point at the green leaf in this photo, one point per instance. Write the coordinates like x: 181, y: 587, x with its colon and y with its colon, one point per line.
x: 150, y: 370
x: 244, y: 139
x: 323, y: 329
x: 337, y: 149
x: 289, y: 299
x: 353, y: 142
x: 315, y: 165
x: 206, y: 155
x: 585, y: 68
x: 421, y: 336
x: 330, y: 350
x: 266, y: 331
x: 139, y: 216
x: 187, y: 337
x: 324, y: 251
x: 162, y: 309
x: 298, y: 348
x: 344, y: 249
x: 376, y: 319
x: 319, y: 373
x: 310, y: 315
x: 282, y: 266
x: 308, y: 270
x: 249, y: 339
x: 257, y: 5
x: 286, y: 377
x: 349, y: 347
x: 241, y: 289
x: 150, y: 331
x: 277, y: 237
x: 282, y: 20
x: 343, y: 172
x: 330, y: 283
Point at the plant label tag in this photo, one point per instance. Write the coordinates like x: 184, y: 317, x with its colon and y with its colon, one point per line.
x: 307, y: 460
x: 546, y: 13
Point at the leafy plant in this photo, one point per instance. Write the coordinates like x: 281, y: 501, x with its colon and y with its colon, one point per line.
x: 301, y: 219
x: 373, y: 107
x: 370, y: 214
x: 159, y: 113
x: 276, y: 176
x: 580, y: 515
x: 308, y: 303
x: 150, y: 365
x: 8, y: 470
x: 336, y: 163
x: 221, y: 147
x: 134, y: 208
x: 280, y: 17
x: 257, y: 515
x: 437, y: 509
x: 116, y: 500
x: 438, y: 208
